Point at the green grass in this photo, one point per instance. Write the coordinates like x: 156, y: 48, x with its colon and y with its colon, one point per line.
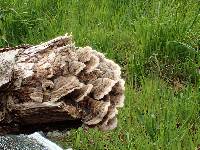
x: 156, y: 42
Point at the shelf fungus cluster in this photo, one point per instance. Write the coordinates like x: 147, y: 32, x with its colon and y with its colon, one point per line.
x: 55, y: 82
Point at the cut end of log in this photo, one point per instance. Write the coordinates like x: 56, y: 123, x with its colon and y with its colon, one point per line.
x: 56, y: 82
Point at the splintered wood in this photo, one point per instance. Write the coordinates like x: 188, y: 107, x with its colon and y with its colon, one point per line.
x: 56, y: 82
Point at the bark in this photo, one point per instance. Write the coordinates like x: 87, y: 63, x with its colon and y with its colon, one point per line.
x: 56, y: 85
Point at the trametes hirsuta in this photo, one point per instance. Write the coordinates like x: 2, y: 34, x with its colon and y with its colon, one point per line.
x: 59, y: 77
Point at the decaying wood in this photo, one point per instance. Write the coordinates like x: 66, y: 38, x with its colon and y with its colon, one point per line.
x: 58, y: 83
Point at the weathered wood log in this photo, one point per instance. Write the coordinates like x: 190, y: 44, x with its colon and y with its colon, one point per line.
x: 55, y: 84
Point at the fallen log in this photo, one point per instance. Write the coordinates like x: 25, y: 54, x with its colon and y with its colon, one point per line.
x: 57, y: 85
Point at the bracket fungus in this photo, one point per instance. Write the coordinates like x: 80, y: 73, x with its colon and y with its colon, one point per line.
x: 55, y: 82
